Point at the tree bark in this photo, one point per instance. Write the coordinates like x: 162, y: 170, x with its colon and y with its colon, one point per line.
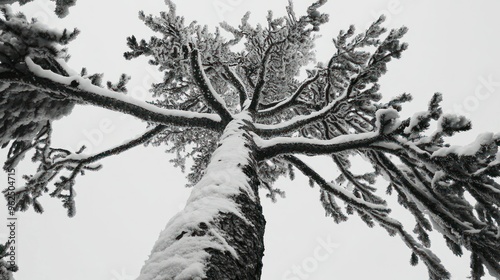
x: 220, y: 232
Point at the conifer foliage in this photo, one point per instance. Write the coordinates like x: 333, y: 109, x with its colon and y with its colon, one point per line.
x: 61, y: 10
x: 247, y: 92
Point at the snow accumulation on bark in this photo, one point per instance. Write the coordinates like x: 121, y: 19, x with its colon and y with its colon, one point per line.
x: 342, y: 139
x: 86, y: 85
x: 183, y: 248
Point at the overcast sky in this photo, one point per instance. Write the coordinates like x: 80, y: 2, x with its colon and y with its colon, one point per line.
x: 454, y: 49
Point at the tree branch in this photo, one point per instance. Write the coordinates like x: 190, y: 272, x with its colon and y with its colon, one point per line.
x: 287, y: 102
x: 81, y: 90
x: 432, y: 262
x: 237, y: 83
x: 213, y: 99
x: 299, y: 145
x: 399, y: 178
x: 367, y: 191
x: 296, y: 122
x: 53, y: 161
x: 377, y: 211
x: 262, y: 77
x: 341, y: 193
x: 300, y: 121
x: 114, y: 151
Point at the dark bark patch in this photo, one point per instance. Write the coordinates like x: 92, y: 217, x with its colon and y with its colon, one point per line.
x: 180, y: 235
x: 246, y: 239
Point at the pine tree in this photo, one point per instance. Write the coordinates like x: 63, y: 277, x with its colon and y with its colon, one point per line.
x: 246, y: 118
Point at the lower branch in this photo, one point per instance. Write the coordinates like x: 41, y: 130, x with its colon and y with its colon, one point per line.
x: 53, y: 161
x: 341, y: 193
x: 116, y: 150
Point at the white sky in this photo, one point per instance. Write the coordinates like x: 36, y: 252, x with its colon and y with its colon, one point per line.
x: 122, y: 208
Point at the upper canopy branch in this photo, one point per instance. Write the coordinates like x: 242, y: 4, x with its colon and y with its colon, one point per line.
x: 297, y: 122
x: 236, y: 82
x: 262, y: 76
x: 290, y: 101
x: 213, y: 99
x: 301, y: 121
x: 81, y: 90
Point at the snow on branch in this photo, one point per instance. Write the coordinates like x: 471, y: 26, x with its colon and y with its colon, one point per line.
x: 290, y: 101
x: 450, y: 213
x: 53, y: 161
x: 237, y: 83
x: 339, y: 192
x: 418, y: 193
x: 429, y: 176
x: 365, y: 190
x: 433, y: 263
x: 302, y: 120
x: 262, y: 75
x: 300, y: 145
x: 62, y: 7
x: 213, y: 99
x: 82, y: 90
x: 297, y: 122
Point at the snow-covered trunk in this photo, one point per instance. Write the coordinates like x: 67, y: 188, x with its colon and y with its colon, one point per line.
x: 220, y: 232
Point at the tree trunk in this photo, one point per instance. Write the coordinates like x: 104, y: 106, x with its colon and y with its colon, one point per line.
x: 220, y: 232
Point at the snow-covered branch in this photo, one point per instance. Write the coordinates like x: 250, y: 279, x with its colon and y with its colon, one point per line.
x: 61, y: 10
x: 53, y: 161
x: 261, y: 82
x: 236, y: 83
x: 299, y: 145
x: 301, y: 121
x: 339, y: 192
x: 290, y: 101
x: 213, y: 99
x: 112, y: 151
x: 417, y: 193
x: 365, y: 190
x: 455, y: 218
x: 297, y: 122
x: 433, y: 263
x: 82, y: 90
